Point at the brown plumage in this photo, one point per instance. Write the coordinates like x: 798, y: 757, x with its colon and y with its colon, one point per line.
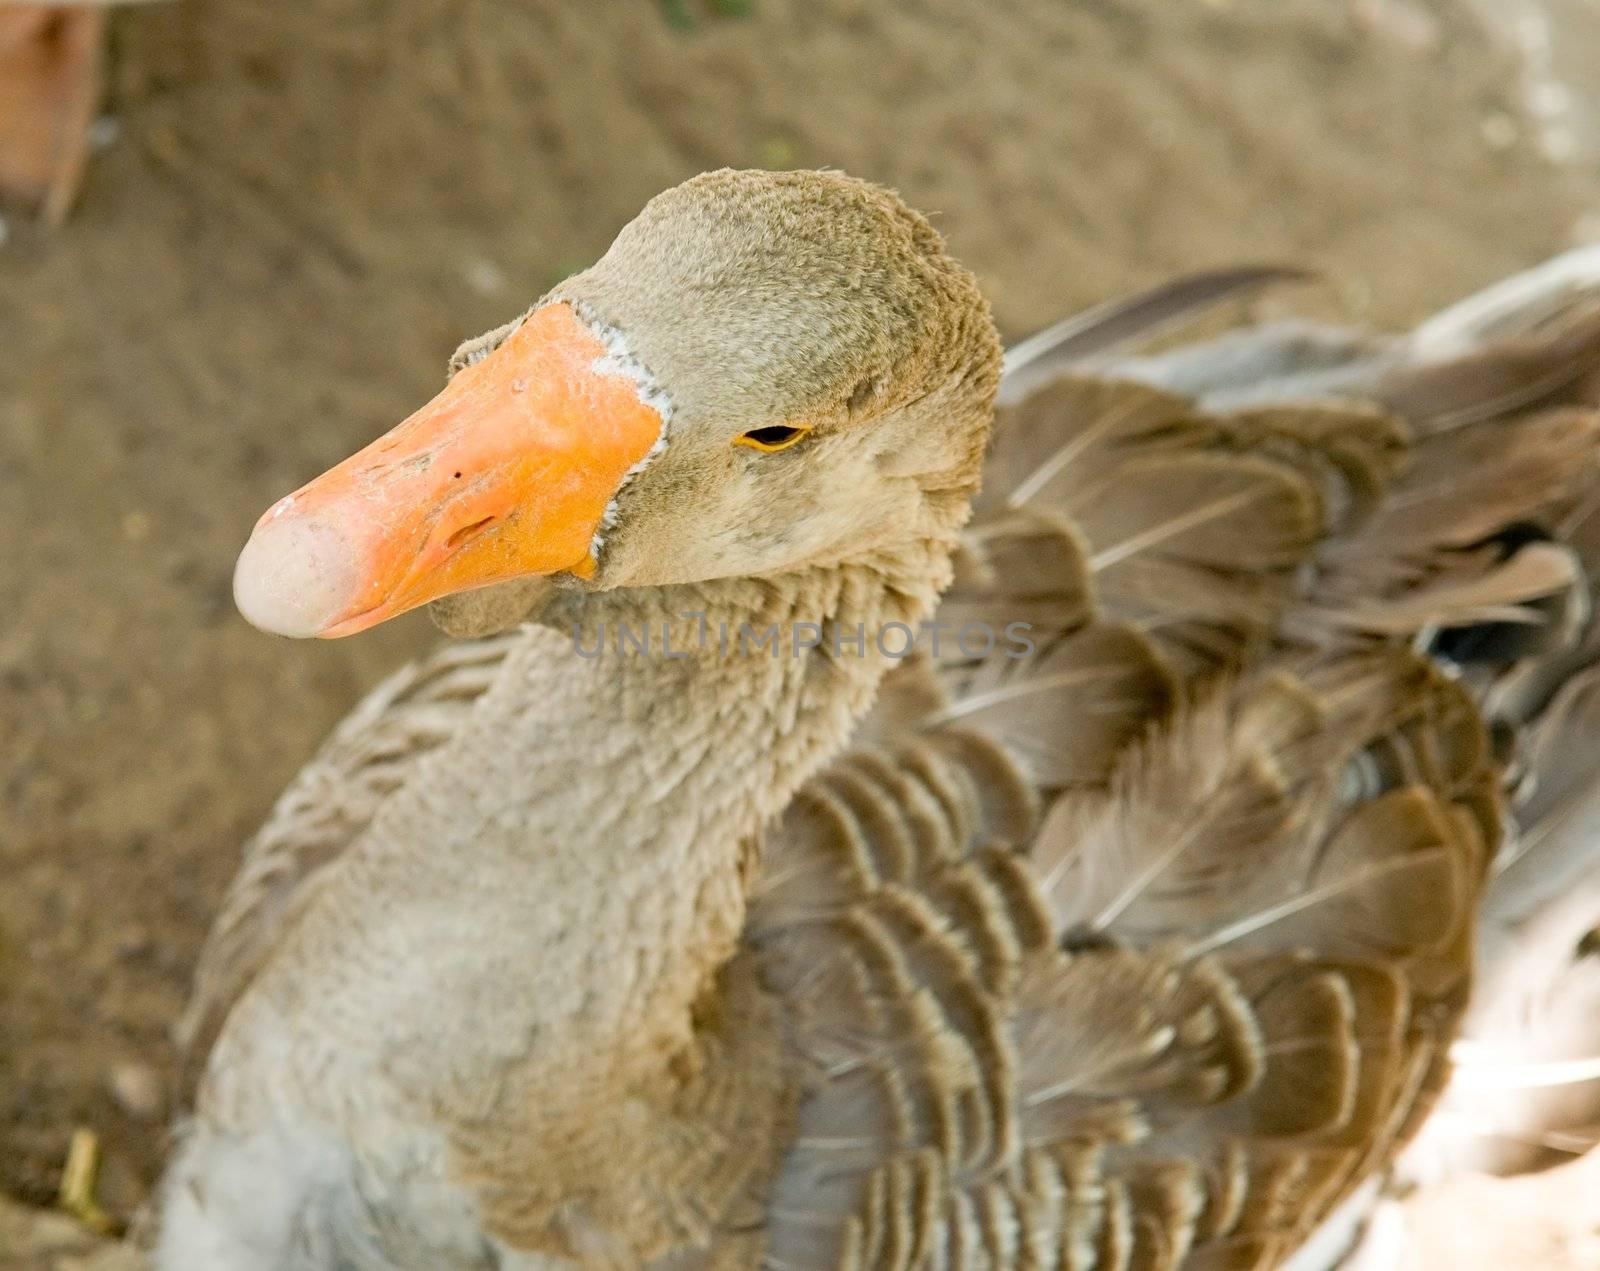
x: 1286, y: 864
x: 1145, y: 948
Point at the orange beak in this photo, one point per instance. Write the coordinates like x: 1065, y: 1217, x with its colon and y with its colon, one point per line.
x: 505, y: 474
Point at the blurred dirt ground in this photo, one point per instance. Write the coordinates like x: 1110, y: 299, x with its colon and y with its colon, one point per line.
x: 299, y: 210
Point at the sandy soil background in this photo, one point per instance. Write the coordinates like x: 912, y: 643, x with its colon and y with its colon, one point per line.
x: 300, y: 210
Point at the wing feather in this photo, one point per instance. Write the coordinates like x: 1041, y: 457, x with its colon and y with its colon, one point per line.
x: 1155, y: 948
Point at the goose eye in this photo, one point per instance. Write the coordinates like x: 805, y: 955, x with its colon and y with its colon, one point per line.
x: 777, y: 437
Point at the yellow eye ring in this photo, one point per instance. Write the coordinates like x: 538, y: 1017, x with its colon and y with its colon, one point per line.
x: 776, y: 437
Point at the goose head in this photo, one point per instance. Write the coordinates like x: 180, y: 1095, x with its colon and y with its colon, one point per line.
x: 765, y: 372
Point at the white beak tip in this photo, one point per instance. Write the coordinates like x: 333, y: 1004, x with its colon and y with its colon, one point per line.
x: 295, y: 577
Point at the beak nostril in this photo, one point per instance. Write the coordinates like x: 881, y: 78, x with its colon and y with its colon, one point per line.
x: 467, y: 532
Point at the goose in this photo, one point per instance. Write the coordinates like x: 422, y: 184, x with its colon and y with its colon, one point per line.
x: 803, y: 857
